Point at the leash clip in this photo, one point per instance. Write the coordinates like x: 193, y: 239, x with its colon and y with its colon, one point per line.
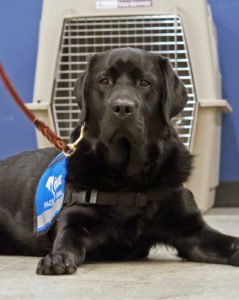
x: 73, y: 146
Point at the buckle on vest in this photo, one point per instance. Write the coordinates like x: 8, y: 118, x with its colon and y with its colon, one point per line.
x: 84, y: 197
x: 93, y: 196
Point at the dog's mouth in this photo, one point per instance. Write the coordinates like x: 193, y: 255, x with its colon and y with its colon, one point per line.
x: 121, y: 135
x: 113, y: 134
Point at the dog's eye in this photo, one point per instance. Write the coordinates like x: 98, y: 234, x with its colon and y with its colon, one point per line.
x: 144, y: 82
x: 105, y: 81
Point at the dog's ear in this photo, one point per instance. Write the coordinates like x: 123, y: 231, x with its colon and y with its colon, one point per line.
x: 80, y: 93
x: 175, y: 94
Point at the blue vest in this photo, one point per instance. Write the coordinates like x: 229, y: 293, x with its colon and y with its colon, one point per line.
x: 50, y: 194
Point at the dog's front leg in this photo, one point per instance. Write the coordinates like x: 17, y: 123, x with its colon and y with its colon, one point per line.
x: 72, y: 240
x: 192, y: 237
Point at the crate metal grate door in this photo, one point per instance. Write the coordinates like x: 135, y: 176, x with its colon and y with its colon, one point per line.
x: 82, y: 37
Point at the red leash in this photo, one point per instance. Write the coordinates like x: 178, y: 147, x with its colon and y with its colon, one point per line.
x: 45, y: 130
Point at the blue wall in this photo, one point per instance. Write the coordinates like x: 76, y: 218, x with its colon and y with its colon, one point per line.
x: 19, y: 22
x: 226, y: 18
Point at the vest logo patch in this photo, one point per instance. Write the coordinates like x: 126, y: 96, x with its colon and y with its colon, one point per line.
x: 52, y: 184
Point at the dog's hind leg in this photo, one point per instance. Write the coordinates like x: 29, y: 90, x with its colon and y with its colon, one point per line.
x: 17, y: 239
x: 9, y: 241
x: 193, y: 238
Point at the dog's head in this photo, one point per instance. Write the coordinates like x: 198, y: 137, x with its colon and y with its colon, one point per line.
x: 128, y: 94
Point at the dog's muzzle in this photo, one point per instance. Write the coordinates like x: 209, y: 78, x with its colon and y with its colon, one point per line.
x: 123, y: 120
x: 123, y: 108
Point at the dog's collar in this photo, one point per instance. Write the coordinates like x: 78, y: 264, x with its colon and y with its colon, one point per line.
x: 94, y: 197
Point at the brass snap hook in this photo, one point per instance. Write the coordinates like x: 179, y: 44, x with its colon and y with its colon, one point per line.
x: 73, y: 146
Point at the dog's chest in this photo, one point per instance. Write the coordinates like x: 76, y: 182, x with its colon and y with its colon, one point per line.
x: 137, y: 223
x: 130, y: 235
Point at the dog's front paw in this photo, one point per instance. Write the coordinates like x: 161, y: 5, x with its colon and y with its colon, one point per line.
x: 57, y: 264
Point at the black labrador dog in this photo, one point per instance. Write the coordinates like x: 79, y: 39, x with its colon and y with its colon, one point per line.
x: 132, y: 156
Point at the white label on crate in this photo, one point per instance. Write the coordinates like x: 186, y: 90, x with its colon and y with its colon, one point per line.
x: 134, y: 3
x: 109, y: 4
x: 106, y: 4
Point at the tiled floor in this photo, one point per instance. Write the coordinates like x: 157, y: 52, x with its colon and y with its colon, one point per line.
x: 162, y: 276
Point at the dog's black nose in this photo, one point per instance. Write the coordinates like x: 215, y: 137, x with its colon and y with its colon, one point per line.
x: 123, y: 108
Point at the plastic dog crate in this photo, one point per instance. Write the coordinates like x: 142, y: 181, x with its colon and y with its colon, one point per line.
x: 181, y: 30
